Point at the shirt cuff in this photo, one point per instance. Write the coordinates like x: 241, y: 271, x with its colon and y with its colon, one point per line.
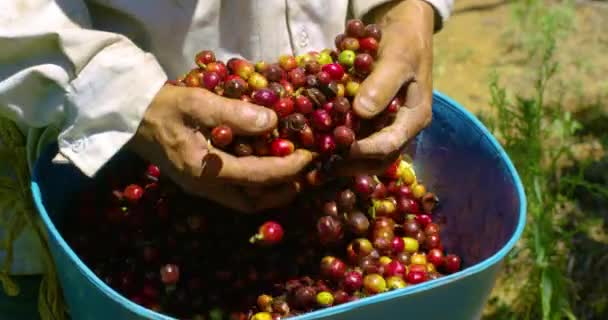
x: 109, y: 97
x: 442, y: 8
x: 362, y: 7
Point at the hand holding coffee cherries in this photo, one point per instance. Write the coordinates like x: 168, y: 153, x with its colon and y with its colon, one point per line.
x: 360, y: 103
x: 403, y: 69
x: 174, y: 135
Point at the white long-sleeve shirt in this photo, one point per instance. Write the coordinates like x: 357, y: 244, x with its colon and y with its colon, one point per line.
x: 90, y: 68
x: 84, y: 71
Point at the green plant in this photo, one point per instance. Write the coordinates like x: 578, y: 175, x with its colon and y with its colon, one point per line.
x: 17, y: 214
x: 537, y: 137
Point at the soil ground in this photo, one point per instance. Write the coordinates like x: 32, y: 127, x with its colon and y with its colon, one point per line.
x: 476, y: 40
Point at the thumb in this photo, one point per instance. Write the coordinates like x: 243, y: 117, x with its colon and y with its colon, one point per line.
x: 382, y: 85
x: 210, y: 110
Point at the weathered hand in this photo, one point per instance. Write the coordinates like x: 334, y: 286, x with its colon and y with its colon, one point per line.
x: 173, y: 135
x: 404, y: 67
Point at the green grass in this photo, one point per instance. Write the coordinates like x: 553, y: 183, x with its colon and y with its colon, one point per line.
x: 538, y: 137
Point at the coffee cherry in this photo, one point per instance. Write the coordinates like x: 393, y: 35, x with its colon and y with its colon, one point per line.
x: 374, y: 283
x: 344, y: 136
x: 221, y: 136
x: 394, y: 283
x: 335, y: 70
x: 153, y: 172
x: 321, y: 120
x: 347, y: 200
x: 326, y: 143
x: 281, y: 307
x: 429, y: 202
x: 368, y: 45
x: 355, y: 28
x: 423, y: 219
x: 364, y: 63
x: 242, y: 68
x: 364, y: 185
x: 397, y: 245
x: 415, y: 277
x: 332, y: 268
x: 324, y: 58
x: 353, y: 281
x: 393, y: 107
x: 257, y: 81
x: 352, y: 88
x: 204, y: 57
x: 324, y: 77
x: 243, y: 149
x: 288, y: 62
x: 264, y: 302
x: 193, y: 80
x: 297, y: 77
x: 234, y: 88
x: 325, y: 299
x: 452, y: 263
x: 169, y: 274
x: 330, y: 209
x: 329, y: 230
x: 347, y: 58
x: 357, y: 223
x: 431, y: 228
x: 219, y: 68
x: 436, y: 257
x: 273, y: 73
x: 305, y: 297
x: 303, y: 105
x: 269, y: 233
x: 411, y: 244
x: 133, y: 192
x: 418, y: 258
x: 338, y: 41
x: 284, y: 107
x: 374, y: 31
x: 281, y: 147
x: 264, y: 97
x: 394, y: 268
x: 307, y: 138
x: 418, y: 190
x: 350, y: 44
x: 359, y: 248
x: 262, y: 316
x: 210, y: 80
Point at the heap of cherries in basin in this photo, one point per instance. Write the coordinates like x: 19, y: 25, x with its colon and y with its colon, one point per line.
x: 341, y: 241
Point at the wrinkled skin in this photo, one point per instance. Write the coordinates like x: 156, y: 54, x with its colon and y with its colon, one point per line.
x: 404, y: 67
x: 174, y: 134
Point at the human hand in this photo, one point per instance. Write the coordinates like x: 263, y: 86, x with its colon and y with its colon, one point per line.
x: 404, y: 68
x: 174, y: 135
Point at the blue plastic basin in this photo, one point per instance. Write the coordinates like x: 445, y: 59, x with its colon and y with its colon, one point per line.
x: 455, y: 156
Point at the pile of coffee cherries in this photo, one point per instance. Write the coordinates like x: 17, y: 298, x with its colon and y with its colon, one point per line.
x: 312, y: 95
x: 345, y: 240
x: 192, y: 259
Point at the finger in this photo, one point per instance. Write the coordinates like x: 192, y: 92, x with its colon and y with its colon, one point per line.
x: 377, y: 90
x: 210, y: 110
x: 408, y: 122
x: 277, y: 197
x: 254, y: 170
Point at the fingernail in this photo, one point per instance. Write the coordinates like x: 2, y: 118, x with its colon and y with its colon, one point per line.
x: 263, y: 119
x: 366, y: 104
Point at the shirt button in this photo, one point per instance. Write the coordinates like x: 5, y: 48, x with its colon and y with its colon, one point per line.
x: 78, y: 145
x: 303, y: 38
